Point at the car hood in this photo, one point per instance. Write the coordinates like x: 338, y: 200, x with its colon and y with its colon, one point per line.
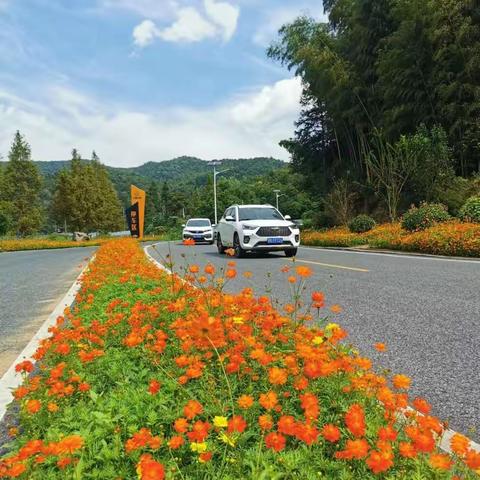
x: 268, y: 223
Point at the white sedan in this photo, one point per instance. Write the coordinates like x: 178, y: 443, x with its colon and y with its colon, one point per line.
x: 198, y: 229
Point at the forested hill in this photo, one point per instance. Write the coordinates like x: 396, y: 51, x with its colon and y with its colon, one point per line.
x: 180, y: 170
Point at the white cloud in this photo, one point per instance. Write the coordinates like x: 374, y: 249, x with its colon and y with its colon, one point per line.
x: 190, y: 25
x: 246, y: 126
x: 224, y: 15
x: 145, y: 33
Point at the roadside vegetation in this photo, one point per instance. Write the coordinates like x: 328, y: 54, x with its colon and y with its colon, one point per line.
x: 147, y: 378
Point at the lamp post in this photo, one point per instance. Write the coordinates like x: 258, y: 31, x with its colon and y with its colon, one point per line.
x: 278, y: 195
x: 214, y: 164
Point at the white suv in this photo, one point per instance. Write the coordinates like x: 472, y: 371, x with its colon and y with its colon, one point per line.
x: 257, y: 228
x: 200, y: 229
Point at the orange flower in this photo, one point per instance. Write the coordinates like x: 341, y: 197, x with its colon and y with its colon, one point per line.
x: 33, y: 406
x: 277, y: 376
x: 440, y: 461
x: 265, y: 422
x: 52, y: 407
x: 181, y: 425
x: 69, y: 445
x: 336, y: 309
x: 199, y: 431
x: 318, y: 299
x: 231, y: 273
x: 275, y: 441
x: 292, y: 279
x: 236, y: 424
x: 380, y: 461
x: 401, y: 382
x: 287, y: 425
x: 194, y: 269
x: 175, y: 442
x: 354, y: 449
x: 422, y: 406
x: 209, y: 269
x: 205, y: 457
x: 304, y: 271
x: 307, y: 433
x: 268, y: 400
x: 154, y: 387
x: 189, y: 242
x: 472, y: 460
x: 355, y: 420
x: 460, y: 444
x: 25, y: 366
x: 407, y: 450
x: 149, y: 469
x: 230, y: 252
x: 248, y: 274
x: 245, y: 401
x: 381, y: 347
x: 192, y: 409
x: 331, y: 433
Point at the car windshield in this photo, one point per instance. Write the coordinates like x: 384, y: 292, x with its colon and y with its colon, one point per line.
x: 252, y: 213
x: 198, y: 223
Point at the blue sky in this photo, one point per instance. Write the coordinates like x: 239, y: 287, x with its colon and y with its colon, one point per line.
x: 146, y: 80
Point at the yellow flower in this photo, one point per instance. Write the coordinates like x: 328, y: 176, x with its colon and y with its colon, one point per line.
x: 220, y: 422
x: 332, y: 326
x: 198, y: 447
x: 238, y: 320
x: 317, y: 340
x: 226, y: 439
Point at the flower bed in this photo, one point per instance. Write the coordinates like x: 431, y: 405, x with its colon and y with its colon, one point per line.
x: 148, y: 378
x: 451, y: 238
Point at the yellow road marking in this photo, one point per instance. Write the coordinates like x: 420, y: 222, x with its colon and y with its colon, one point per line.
x: 334, y: 266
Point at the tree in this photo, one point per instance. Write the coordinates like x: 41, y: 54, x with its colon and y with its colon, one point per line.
x: 21, y: 189
x: 153, y: 205
x: 85, y: 197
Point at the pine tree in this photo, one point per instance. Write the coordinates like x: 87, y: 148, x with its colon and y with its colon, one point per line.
x: 22, y: 184
x: 153, y: 206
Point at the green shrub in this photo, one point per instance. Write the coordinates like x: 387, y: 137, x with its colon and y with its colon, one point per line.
x: 425, y: 216
x: 470, y: 212
x: 361, y: 224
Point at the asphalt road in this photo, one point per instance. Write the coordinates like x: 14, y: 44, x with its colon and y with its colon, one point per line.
x: 427, y: 311
x: 31, y: 285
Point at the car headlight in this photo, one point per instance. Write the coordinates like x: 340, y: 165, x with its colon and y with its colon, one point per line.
x: 248, y: 227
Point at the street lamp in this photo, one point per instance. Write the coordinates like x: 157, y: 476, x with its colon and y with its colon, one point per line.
x: 278, y: 195
x: 215, y: 164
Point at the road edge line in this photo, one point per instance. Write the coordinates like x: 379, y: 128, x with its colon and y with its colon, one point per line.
x: 12, y: 379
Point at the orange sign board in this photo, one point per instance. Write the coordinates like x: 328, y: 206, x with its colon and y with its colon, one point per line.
x: 138, y: 196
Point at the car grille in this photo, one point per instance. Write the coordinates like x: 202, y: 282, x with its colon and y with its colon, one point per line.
x: 197, y: 232
x: 274, y: 232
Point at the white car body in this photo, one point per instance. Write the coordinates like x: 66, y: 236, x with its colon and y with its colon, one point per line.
x: 199, y: 229
x: 257, y: 228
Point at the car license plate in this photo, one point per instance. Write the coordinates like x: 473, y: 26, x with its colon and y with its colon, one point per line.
x: 197, y: 237
x: 275, y: 241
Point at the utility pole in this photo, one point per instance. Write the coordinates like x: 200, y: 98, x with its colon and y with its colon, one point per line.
x: 215, y: 163
x: 278, y: 195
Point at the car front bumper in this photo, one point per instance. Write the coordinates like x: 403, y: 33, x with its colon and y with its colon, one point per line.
x: 251, y: 241
x: 199, y: 237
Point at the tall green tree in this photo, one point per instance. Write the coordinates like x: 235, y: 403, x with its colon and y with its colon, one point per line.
x: 21, y: 187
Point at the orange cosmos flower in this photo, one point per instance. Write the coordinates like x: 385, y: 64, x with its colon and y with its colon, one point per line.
x: 336, y: 309
x: 268, y: 400
x: 460, y: 444
x: 230, y: 252
x: 181, y: 425
x: 331, y: 433
x: 248, y: 274
x: 149, y: 469
x: 63, y: 463
x: 69, y: 445
x: 318, y: 299
x: 33, y: 406
x: 440, y: 461
x: 292, y: 279
x: 401, y: 382
x: 84, y: 387
x: 265, y: 422
x: 192, y: 409
x: 194, y: 269
x: 205, y: 457
x: 472, y: 460
x: 154, y: 387
x: 25, y: 366
x: 304, y: 272
x: 52, y: 407
x: 287, y: 425
x: 236, y: 424
x: 407, y: 450
x: 355, y: 420
x: 245, y: 401
x: 210, y: 269
x: 354, y: 449
x: 231, y: 273
x: 175, y: 442
x: 277, y: 376
x: 381, y: 347
x: 380, y: 461
x: 422, y: 406
x: 189, y: 242
x: 199, y: 431
x: 275, y: 441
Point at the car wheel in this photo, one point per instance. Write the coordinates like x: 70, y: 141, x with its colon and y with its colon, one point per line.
x: 220, y: 247
x: 239, y: 251
x: 291, y: 252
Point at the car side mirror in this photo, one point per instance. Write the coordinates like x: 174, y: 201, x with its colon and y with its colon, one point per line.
x: 288, y: 217
x: 183, y: 225
x: 214, y: 225
x: 229, y: 218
